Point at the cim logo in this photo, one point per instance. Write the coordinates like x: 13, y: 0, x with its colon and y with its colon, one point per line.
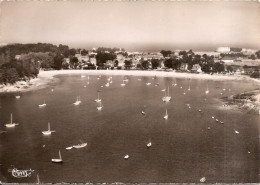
x: 21, y: 173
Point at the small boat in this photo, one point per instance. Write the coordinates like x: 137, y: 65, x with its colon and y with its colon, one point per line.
x: 149, y: 144
x: 83, y: 76
x: 100, y: 106
x: 166, y: 115
x: 212, y: 117
x: 78, y: 101
x: 163, y: 90
x: 11, y: 124
x: 167, y: 97
x: 69, y: 148
x: 49, y: 131
x: 189, y: 86
x: 199, y: 110
x: 143, y: 111
x: 98, y: 99
x: 184, y: 92
x: 208, y: 128
x: 126, y: 156
x: 18, y: 97
x: 181, y: 87
x: 42, y: 105
x: 81, y: 145
x: 57, y: 160
x: 236, y: 132
x: 85, y: 86
x: 123, y: 84
x: 221, y: 122
x: 148, y: 83
x: 52, y: 90
x: 207, y: 91
x: 217, y: 120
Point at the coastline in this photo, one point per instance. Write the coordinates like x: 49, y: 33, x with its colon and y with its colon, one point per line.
x: 46, y: 77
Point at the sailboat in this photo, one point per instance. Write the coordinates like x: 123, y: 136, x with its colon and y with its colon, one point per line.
x: 57, y: 160
x: 42, y: 105
x: 107, y: 84
x: 189, y: 86
x: 81, y: 145
x: 166, y: 115
x: 78, y: 101
x: 174, y: 84
x: 126, y: 156
x: 98, y: 99
x: 167, y: 98
x: 18, y: 96
x: 143, y: 111
x: 123, y: 84
x: 11, y: 124
x: 207, y: 91
x: 38, y: 179
x: 149, y: 144
x: 184, y: 92
x: 148, y: 83
x: 49, y: 131
x: 100, y: 106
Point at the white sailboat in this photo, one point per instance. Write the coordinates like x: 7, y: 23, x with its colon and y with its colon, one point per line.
x: 207, y: 91
x: 126, y: 156
x: 167, y: 97
x: 98, y: 99
x: 81, y: 145
x: 49, y: 131
x: 78, y: 101
x: 166, y: 115
x: 18, y: 96
x: 57, y: 160
x: 143, y: 111
x: 189, y: 86
x: 69, y: 148
x: 107, y: 84
x: 11, y: 124
x: 148, y: 83
x: 100, y: 106
x: 123, y: 84
x: 149, y: 144
x: 42, y: 105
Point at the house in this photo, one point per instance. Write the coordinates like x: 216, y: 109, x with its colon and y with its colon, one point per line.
x: 223, y: 49
x: 93, y: 60
x: 17, y: 57
x: 227, y: 60
x: 184, y: 67
x: 196, y: 68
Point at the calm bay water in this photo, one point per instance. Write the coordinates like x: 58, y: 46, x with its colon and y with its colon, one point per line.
x: 183, y: 149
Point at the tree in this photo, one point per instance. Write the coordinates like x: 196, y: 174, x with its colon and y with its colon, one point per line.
x: 166, y: 53
x: 258, y: 54
x: 58, y: 62
x: 205, y: 68
x: 252, y: 57
x: 145, y: 64
x: 255, y: 74
x: 155, y: 63
x: 84, y: 52
x: 229, y: 69
x: 168, y: 63
x: 74, y: 62
x: 218, y: 67
x: 128, y: 64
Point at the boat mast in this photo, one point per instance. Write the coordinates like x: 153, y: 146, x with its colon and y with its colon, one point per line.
x: 49, y: 126
x: 60, y: 155
x: 11, y: 118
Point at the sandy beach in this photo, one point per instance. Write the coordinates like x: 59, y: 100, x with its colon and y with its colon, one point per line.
x: 46, y: 77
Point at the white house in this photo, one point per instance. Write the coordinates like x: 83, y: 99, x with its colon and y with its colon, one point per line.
x: 223, y: 49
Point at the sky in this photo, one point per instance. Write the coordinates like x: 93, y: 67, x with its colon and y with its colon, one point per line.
x: 135, y: 26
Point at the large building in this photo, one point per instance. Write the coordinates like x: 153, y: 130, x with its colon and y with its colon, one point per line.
x: 223, y: 49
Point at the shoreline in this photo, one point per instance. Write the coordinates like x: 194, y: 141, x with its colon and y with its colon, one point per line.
x: 46, y: 77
